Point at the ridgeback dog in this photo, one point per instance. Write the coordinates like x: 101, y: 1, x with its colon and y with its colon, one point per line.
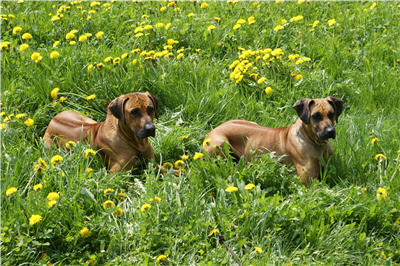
x: 302, y: 144
x: 121, y: 138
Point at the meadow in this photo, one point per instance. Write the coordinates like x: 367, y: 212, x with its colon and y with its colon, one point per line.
x: 207, y: 62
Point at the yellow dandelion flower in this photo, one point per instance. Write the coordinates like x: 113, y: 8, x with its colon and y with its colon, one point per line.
x: 53, y: 196
x: 190, y: 15
x: 54, y: 93
x: 56, y: 43
x: 179, y: 164
x: 54, y: 54
x: 29, y: 122
x: 204, y: 5
x: 3, y: 126
x: 163, y: 8
x: 88, y: 170
x: 108, y: 59
x: 261, y: 80
x: 380, y: 156
x: 99, y: 35
x: 36, y: 57
x: 19, y: 116
x: 161, y: 258
x: 231, y: 189
x: 82, y: 38
x: 331, y: 22
x: 374, y: 140
x: 51, y: 203
x: 157, y: 199
x: 167, y: 26
x: 183, y: 138
x: 283, y: 21
x: 85, y: 232
x: 90, y: 67
x: 236, y: 26
x: 148, y: 27
x: 69, y: 144
x: 279, y: 27
x: 145, y: 207
x: 116, y: 60
x: 381, y: 193
x: 172, y: 42
x: 167, y: 165
x: 373, y: 5
x: 108, y: 204
x: 184, y: 157
x: 35, y: 218
x: 108, y: 190
x: 268, y: 90
x: 214, y: 232
x: 26, y: 36
x: 315, y: 23
x: 16, y: 30
x: 210, y: 28
x: 37, y: 187
x: 258, y: 249
x: 10, y: 191
x: 23, y: 47
x: 5, y: 45
x: 121, y: 195
x: 118, y: 212
x: 249, y: 186
x: 91, y: 97
x: 56, y: 159
x: 251, y: 20
x: 100, y: 65
x: 72, y: 42
x: 88, y: 152
x: 70, y: 36
x: 198, y: 155
x: 217, y: 19
x: 298, y: 77
x: 206, y: 142
x: 124, y: 55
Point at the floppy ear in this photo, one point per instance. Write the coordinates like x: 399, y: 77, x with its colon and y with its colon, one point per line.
x: 337, y: 105
x: 302, y: 108
x: 117, y: 108
x: 154, y: 100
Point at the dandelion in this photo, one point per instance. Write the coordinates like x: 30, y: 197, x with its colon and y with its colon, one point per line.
x: 56, y: 159
x: 88, y: 170
x: 204, y: 5
x: 381, y: 193
x: 157, y: 199
x: 100, y: 65
x: 279, y: 27
x: 249, y: 186
x: 108, y: 190
x: 29, y: 122
x: 69, y: 144
x: 217, y: 19
x: 231, y: 189
x: 210, y: 28
x: 148, y: 27
x: 183, y: 138
x: 331, y: 22
x: 374, y: 140
x: 163, y: 8
x: 72, y: 42
x: 37, y: 187
x: 53, y: 196
x: 261, y: 80
x: 23, y: 47
x: 258, y: 249
x: 296, y: 18
x: 91, y: 97
x: 190, y: 15
x: 54, y: 93
x: 124, y: 55
x: 145, y: 207
x: 371, y: 7
x: 118, y: 212
x: 55, y: 18
x: 35, y: 218
x: 3, y: 126
x: 51, y: 203
x: 268, y: 90
x: 85, y: 232
x: 19, y: 116
x: 214, y: 232
x: 236, y: 26
x: 116, y: 60
x: 108, y: 59
x: 88, y: 152
x: 56, y: 43
x: 16, y: 30
x: 26, y: 36
x: 121, y: 195
x: 179, y: 164
x: 380, y: 156
x: 5, y: 45
x: 108, y: 204
x: 161, y: 258
x: 179, y: 56
x: 99, y: 35
x: 184, y: 157
x: 251, y: 20
x: 36, y: 57
x: 298, y: 77
x: 134, y: 62
x: 315, y: 23
x: 70, y: 36
x: 83, y: 38
x: 198, y: 155
x: 10, y: 191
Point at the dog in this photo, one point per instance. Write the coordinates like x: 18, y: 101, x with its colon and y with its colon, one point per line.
x: 303, y: 144
x: 122, y: 138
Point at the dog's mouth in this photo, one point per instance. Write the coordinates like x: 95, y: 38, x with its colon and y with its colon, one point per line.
x: 149, y: 130
x: 327, y: 134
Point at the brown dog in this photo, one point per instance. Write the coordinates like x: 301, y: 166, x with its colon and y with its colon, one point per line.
x: 121, y: 138
x: 302, y: 144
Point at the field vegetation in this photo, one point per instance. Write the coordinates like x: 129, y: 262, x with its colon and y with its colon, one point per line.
x: 207, y: 62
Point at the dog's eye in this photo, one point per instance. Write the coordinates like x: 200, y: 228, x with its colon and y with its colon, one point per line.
x: 317, y: 116
x: 135, y: 112
x: 150, y: 110
x: 330, y: 115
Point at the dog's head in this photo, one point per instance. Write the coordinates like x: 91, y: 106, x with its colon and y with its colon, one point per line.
x: 320, y: 114
x: 136, y: 111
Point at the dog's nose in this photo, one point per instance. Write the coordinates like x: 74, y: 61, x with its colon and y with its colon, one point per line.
x: 330, y: 132
x: 150, y: 129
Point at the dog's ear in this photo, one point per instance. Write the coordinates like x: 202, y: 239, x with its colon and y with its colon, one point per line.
x: 337, y: 105
x: 302, y: 108
x: 117, y: 107
x: 154, y: 100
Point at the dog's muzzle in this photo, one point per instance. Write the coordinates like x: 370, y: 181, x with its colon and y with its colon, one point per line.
x: 328, y: 133
x: 149, y: 130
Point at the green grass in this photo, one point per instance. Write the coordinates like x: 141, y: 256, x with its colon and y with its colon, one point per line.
x: 339, y: 220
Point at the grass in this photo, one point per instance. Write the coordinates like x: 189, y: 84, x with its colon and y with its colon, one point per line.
x: 339, y: 220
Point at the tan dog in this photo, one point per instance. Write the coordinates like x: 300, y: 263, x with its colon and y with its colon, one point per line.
x: 121, y: 138
x: 302, y: 144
